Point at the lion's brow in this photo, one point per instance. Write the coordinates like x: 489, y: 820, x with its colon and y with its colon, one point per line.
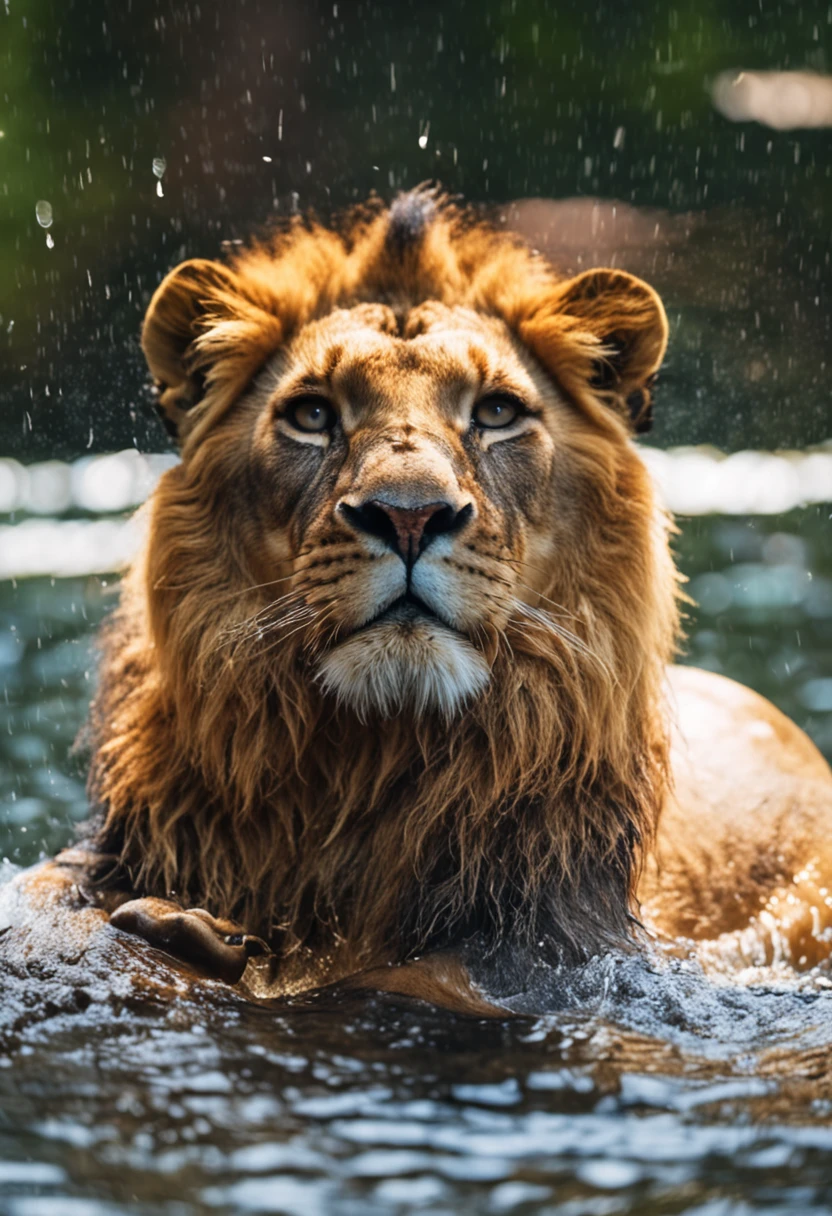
x: 313, y: 378
x: 333, y: 358
x: 480, y: 361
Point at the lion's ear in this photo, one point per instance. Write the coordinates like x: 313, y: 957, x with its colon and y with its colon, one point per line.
x: 199, y: 315
x: 181, y: 304
x: 604, y: 331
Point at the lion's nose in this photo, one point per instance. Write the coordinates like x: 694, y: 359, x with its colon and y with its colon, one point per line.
x: 407, y: 530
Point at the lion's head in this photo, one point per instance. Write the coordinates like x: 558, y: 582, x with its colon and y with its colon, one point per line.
x: 409, y: 565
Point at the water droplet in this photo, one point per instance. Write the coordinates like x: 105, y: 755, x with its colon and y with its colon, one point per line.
x: 50, y: 244
x: 43, y: 213
x: 159, y: 166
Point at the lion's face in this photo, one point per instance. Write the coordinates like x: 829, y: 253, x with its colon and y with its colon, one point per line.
x: 401, y: 484
x: 408, y: 478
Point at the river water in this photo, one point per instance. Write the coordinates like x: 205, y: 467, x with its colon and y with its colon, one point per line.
x: 658, y: 1094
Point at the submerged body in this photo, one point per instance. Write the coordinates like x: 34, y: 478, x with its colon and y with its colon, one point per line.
x: 385, y: 703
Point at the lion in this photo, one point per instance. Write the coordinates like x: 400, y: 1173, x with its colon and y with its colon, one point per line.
x: 389, y: 699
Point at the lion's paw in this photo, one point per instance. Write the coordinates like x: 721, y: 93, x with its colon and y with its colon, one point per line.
x: 218, y: 948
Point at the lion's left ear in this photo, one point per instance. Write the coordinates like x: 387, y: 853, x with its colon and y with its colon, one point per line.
x: 603, y: 333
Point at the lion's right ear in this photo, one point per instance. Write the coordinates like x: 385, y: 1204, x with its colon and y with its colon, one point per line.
x: 202, y: 327
x: 603, y: 336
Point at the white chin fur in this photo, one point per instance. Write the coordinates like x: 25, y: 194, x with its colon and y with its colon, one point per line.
x: 417, y: 665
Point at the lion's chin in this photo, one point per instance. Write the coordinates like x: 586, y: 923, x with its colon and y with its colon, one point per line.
x: 401, y: 664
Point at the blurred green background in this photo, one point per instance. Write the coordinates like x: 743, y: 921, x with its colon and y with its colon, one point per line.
x: 499, y: 99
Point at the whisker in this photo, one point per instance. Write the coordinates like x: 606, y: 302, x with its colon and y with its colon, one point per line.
x: 546, y: 571
x: 284, y: 602
x: 562, y: 611
x: 541, y: 617
x: 226, y: 595
x: 254, y: 655
x: 280, y: 612
x: 572, y: 646
x: 319, y: 624
x: 544, y: 622
x: 258, y: 627
x: 280, y: 639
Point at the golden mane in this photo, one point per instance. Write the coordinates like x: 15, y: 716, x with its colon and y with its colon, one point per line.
x: 224, y: 777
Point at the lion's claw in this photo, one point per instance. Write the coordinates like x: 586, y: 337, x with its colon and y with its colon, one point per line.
x: 218, y: 947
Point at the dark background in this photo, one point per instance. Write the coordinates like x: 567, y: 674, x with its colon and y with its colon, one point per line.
x: 525, y: 99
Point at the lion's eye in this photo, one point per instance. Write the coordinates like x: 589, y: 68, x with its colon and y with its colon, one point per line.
x: 496, y: 411
x: 313, y: 414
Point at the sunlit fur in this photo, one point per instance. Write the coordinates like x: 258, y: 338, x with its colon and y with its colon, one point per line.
x: 260, y: 748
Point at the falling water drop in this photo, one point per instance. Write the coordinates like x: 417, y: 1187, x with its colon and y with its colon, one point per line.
x: 43, y: 215
x: 159, y: 166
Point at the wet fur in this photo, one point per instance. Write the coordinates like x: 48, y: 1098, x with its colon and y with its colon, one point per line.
x: 223, y: 773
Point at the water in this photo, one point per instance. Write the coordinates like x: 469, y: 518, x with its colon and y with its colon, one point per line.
x: 654, y: 1091
x: 43, y: 215
x: 159, y: 166
x: 376, y: 1108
